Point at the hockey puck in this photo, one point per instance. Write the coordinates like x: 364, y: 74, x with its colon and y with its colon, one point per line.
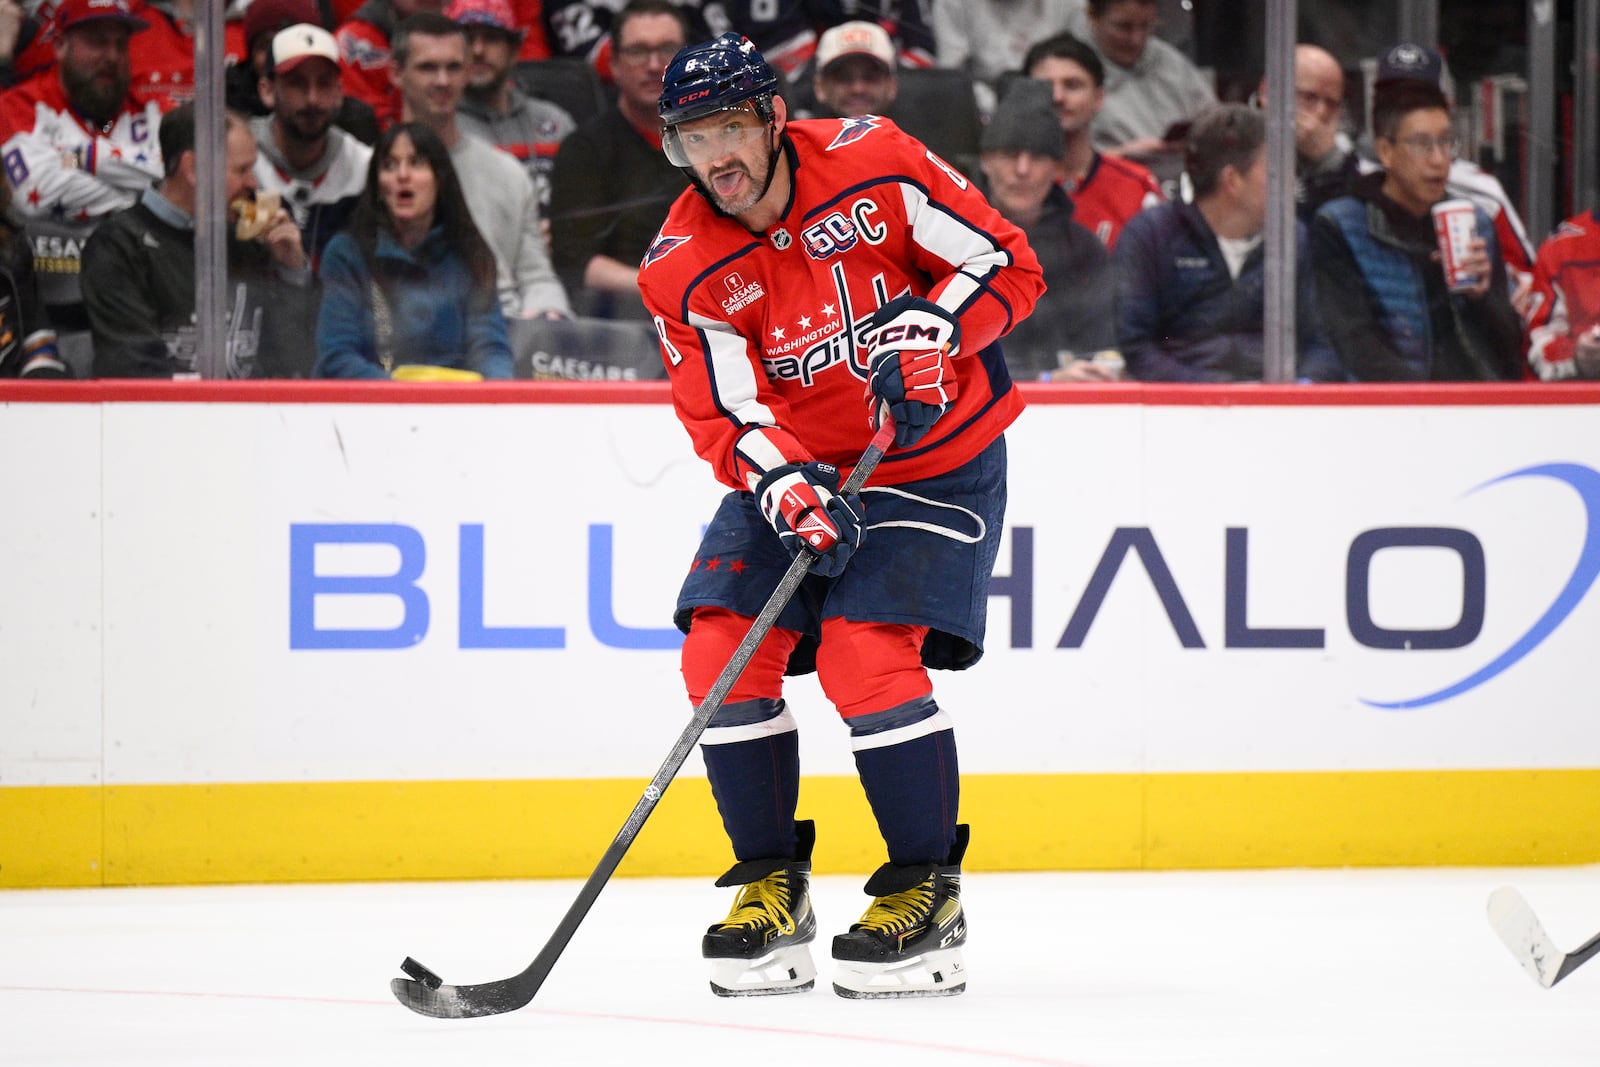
x: 421, y: 973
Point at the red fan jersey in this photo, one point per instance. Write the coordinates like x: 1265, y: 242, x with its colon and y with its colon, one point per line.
x: 364, y: 67
x: 160, y: 58
x: 1114, y: 191
x: 761, y: 332
x: 1566, y: 295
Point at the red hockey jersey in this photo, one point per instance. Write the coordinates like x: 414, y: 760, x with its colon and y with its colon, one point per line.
x: 1114, y: 191
x: 1566, y: 295
x: 761, y: 333
x: 364, y: 67
x: 160, y: 58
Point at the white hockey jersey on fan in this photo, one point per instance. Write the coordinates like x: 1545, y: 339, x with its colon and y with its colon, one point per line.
x: 61, y: 167
x: 67, y: 175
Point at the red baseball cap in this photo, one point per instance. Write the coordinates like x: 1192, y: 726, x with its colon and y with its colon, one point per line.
x: 70, y: 14
x: 495, y: 14
x: 270, y: 16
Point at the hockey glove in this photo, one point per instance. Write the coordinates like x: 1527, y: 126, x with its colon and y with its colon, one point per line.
x: 801, y: 502
x: 911, y: 347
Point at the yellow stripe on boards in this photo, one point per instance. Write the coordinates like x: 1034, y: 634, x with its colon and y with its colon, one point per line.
x: 338, y: 831
x: 50, y: 835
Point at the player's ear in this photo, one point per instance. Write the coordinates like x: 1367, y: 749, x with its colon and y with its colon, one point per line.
x: 780, y: 113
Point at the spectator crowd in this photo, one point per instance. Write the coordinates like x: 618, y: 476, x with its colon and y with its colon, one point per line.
x: 412, y: 185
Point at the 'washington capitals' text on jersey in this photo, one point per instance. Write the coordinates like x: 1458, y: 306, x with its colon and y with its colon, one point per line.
x: 762, y: 333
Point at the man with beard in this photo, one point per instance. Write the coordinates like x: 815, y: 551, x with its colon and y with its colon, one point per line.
x: 78, y: 144
x: 820, y: 278
x: 495, y: 109
x: 241, y: 81
x: 318, y: 169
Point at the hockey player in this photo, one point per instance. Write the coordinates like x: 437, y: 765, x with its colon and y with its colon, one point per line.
x: 1564, y: 315
x: 816, y: 274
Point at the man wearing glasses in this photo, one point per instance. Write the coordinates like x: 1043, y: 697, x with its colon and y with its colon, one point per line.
x: 1421, y: 65
x: 610, y: 187
x: 1381, y: 286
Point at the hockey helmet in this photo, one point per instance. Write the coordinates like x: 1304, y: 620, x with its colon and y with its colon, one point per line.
x: 717, y: 75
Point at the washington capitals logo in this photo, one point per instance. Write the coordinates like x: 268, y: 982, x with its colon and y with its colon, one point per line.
x: 852, y: 130
x: 660, y: 247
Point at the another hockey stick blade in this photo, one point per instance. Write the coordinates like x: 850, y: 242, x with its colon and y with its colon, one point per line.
x: 1524, y: 935
x: 427, y: 994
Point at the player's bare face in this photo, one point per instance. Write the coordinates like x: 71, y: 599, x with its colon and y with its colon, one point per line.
x: 93, y: 59
x: 1073, y: 93
x: 731, y: 153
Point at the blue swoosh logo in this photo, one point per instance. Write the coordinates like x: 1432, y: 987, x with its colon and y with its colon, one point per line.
x: 1587, y: 484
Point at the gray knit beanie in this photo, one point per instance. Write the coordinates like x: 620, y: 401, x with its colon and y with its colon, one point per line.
x: 1025, y: 121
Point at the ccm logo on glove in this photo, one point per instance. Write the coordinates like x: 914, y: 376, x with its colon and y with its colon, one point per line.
x: 909, y: 331
x: 911, y: 350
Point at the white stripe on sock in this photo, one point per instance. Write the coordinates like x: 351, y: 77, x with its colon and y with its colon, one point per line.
x: 782, y: 723
x: 922, y: 728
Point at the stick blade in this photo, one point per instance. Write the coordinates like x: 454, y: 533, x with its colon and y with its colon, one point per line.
x: 1519, y: 928
x: 463, y: 1001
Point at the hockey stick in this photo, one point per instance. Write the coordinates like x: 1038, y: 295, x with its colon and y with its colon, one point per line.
x: 1524, y: 935
x: 426, y: 994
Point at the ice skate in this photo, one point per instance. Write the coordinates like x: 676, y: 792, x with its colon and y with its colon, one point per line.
x: 763, y: 947
x: 908, y: 943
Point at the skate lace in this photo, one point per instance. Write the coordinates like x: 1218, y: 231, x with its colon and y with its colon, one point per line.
x: 765, y: 901
x: 899, y: 911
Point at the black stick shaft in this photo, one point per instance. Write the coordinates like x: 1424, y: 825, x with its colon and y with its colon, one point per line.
x: 781, y: 595
x: 493, y: 998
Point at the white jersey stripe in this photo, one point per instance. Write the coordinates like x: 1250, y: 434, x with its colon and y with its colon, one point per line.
x: 952, y: 239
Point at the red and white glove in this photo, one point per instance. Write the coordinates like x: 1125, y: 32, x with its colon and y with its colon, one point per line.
x: 911, y: 347
x: 803, y: 504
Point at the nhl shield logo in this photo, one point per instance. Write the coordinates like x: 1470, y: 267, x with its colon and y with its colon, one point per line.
x: 781, y: 239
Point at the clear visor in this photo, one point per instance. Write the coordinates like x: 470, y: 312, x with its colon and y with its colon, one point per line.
x: 714, y: 137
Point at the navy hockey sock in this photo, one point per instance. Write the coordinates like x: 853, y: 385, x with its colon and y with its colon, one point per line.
x: 906, y: 757
x: 752, y: 757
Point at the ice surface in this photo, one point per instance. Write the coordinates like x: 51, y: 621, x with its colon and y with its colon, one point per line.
x: 1257, y: 969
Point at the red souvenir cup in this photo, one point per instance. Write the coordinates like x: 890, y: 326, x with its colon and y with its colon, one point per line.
x: 1455, y: 224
